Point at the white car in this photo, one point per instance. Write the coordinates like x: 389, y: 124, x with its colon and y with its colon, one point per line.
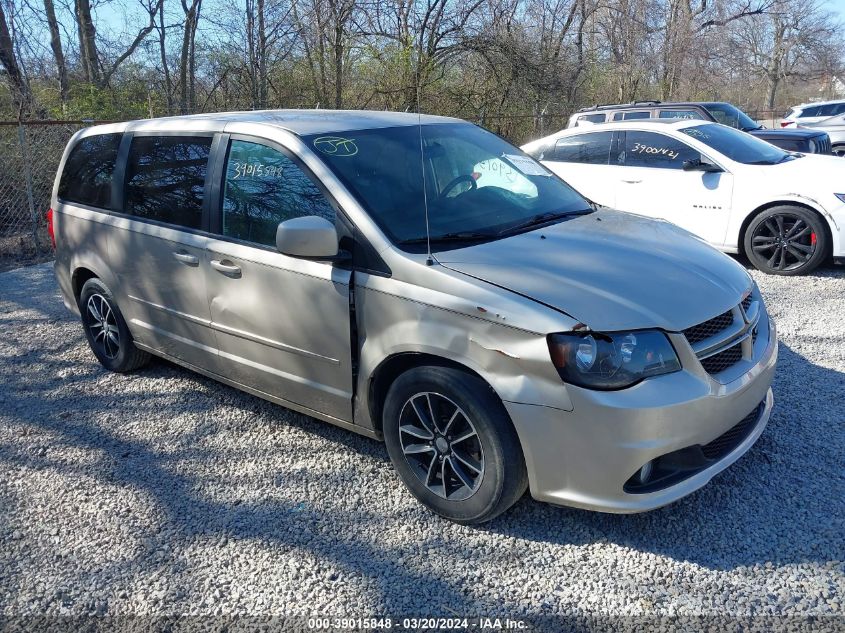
x: 812, y: 112
x: 835, y: 128
x: 785, y: 211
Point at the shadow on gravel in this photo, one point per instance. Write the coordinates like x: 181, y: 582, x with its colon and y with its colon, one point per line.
x: 782, y: 503
x: 288, y: 524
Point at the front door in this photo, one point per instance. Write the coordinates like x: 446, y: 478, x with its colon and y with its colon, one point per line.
x: 282, y: 323
x: 651, y: 181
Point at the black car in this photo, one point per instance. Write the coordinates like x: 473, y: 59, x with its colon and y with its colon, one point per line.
x: 792, y: 140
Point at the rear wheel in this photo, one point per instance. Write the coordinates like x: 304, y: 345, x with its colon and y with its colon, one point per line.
x: 453, y: 444
x: 786, y: 240
x: 106, y: 330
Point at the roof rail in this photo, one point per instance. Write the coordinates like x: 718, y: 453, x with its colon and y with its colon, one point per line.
x: 632, y: 104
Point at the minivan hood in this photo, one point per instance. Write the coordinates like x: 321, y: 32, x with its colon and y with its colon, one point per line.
x: 611, y: 271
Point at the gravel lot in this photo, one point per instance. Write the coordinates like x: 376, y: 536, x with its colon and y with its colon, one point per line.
x: 163, y: 492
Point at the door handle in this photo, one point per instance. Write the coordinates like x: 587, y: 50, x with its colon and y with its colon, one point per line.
x: 632, y: 182
x: 226, y: 267
x: 186, y: 258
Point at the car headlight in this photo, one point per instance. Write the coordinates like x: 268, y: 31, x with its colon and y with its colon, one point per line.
x: 612, y: 361
x: 841, y: 196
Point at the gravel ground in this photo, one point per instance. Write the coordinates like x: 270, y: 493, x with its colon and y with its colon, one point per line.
x: 163, y: 492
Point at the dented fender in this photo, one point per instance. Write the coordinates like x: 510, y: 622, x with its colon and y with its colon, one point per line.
x: 490, y: 340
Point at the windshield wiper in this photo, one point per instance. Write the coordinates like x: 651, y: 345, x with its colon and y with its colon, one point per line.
x: 543, y: 218
x: 462, y: 236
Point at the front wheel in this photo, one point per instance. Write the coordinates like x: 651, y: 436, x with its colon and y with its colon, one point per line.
x: 786, y: 240
x: 106, y: 330
x: 453, y: 444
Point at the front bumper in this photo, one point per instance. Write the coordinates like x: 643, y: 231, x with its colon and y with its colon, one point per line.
x: 582, y: 458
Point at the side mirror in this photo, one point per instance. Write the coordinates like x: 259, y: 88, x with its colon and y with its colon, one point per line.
x: 697, y: 164
x: 310, y: 237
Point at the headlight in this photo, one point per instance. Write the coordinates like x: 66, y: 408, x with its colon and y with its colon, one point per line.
x: 612, y: 361
x: 841, y: 196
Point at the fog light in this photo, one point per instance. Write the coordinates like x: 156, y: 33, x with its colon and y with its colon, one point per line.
x: 645, y: 472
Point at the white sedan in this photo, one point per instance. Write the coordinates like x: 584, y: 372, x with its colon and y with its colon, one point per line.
x: 785, y: 211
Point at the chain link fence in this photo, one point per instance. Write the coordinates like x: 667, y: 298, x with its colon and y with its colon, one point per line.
x: 30, y: 152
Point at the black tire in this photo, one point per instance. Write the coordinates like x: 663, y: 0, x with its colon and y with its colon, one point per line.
x: 106, y: 330
x: 494, y: 446
x: 838, y: 150
x: 786, y: 240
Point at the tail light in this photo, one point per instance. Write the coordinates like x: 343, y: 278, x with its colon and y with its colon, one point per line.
x: 50, y: 231
x: 784, y: 123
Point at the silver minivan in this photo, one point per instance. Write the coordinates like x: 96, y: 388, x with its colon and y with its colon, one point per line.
x: 419, y: 280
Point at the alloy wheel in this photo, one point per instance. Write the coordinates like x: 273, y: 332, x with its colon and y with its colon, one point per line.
x: 441, y: 445
x: 786, y: 241
x: 103, y: 325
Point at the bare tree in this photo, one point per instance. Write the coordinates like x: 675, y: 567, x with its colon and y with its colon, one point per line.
x: 58, y: 53
x: 789, y: 41
x: 187, y: 59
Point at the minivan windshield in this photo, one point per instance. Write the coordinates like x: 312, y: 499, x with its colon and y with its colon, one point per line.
x: 477, y: 186
x: 726, y: 114
x: 736, y: 145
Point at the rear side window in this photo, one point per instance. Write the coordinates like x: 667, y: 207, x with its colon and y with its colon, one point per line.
x: 263, y: 188
x: 591, y: 149
x: 680, y: 114
x: 165, y: 176
x: 831, y: 109
x: 590, y: 118
x: 811, y: 111
x: 87, y: 176
x: 628, y: 116
x: 649, y: 149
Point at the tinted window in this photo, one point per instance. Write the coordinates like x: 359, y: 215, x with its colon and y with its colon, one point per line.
x: 811, y: 111
x: 649, y: 149
x: 736, y: 145
x: 86, y: 178
x: 590, y: 118
x: 726, y: 114
x: 680, y: 114
x: 832, y: 109
x: 627, y: 116
x: 592, y: 149
x: 165, y: 177
x: 265, y: 187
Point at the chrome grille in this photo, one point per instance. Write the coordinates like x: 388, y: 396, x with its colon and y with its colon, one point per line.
x: 724, y: 359
x: 705, y: 330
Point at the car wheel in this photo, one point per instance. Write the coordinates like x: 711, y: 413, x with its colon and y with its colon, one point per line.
x: 453, y: 444
x: 786, y: 240
x: 106, y: 329
x: 838, y: 150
